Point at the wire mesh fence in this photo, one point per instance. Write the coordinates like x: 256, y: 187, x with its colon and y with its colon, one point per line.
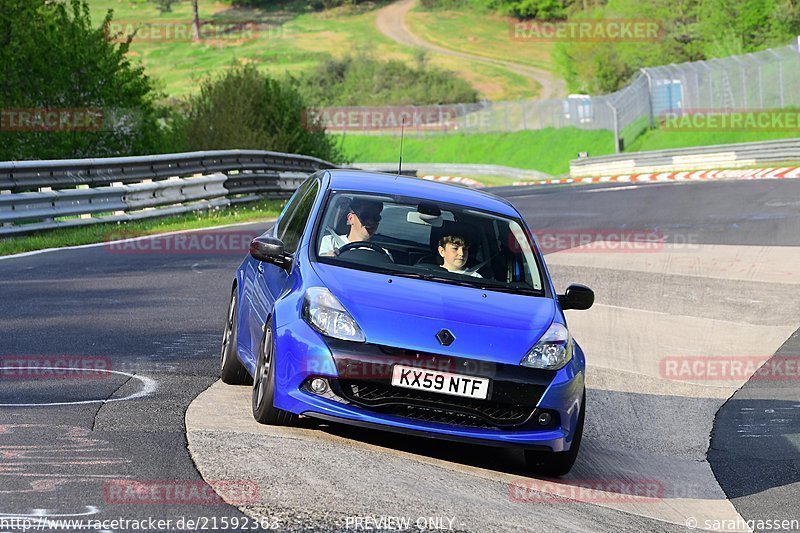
x: 766, y: 80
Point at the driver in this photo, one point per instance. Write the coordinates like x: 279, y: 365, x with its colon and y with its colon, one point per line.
x: 363, y: 219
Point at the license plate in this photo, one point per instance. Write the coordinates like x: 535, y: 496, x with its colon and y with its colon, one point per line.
x: 444, y: 382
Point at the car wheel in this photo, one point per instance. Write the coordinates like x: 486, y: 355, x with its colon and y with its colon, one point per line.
x: 557, y: 464
x: 264, y: 410
x: 232, y: 371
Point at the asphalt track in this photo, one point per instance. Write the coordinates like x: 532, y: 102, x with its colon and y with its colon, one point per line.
x: 726, y: 284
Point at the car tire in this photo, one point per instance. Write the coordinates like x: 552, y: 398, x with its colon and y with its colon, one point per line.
x: 232, y: 371
x: 264, y: 410
x: 557, y: 464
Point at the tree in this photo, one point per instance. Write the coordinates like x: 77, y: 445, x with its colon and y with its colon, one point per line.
x: 195, y: 22
x: 55, y: 61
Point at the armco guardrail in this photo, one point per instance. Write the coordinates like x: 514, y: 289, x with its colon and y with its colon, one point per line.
x: 695, y: 158
x: 19, y: 176
x: 38, y: 195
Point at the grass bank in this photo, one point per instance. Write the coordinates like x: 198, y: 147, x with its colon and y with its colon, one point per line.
x: 487, y: 35
x: 659, y: 139
x: 263, y: 210
x: 548, y: 150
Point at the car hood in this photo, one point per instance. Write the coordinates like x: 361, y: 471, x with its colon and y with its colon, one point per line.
x: 408, y: 313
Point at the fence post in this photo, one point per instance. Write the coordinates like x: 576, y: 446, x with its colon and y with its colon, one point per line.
x: 744, y: 81
x: 616, y: 126
x: 650, y: 97
x: 710, y: 85
x: 780, y: 74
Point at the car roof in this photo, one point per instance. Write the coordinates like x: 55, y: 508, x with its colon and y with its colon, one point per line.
x: 393, y: 184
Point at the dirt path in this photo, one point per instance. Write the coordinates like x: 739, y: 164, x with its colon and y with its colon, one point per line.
x: 391, y: 22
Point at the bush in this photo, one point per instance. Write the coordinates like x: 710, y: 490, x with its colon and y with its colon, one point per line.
x: 244, y: 109
x: 532, y: 9
x: 524, y: 9
x: 363, y: 81
x: 54, y: 60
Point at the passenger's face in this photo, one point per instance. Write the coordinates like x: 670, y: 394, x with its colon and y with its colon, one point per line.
x: 454, y: 255
x: 363, y: 224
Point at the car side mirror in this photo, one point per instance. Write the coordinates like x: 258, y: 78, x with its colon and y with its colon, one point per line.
x: 576, y: 297
x: 270, y: 250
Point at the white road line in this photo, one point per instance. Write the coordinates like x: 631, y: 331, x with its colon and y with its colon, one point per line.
x: 148, y: 388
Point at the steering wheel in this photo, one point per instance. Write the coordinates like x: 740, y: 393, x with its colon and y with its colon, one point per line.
x: 363, y: 244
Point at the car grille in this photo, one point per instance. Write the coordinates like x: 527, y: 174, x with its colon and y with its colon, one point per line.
x: 432, y: 407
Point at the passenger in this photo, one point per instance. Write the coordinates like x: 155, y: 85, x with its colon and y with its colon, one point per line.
x: 454, y: 250
x: 363, y: 219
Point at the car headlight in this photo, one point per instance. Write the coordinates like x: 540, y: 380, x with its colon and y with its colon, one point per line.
x: 326, y: 314
x: 553, y: 350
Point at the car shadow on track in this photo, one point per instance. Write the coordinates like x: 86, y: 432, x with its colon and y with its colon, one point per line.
x: 621, y: 447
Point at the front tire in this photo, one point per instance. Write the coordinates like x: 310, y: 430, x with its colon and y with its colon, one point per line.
x: 232, y: 371
x: 264, y: 410
x: 557, y: 464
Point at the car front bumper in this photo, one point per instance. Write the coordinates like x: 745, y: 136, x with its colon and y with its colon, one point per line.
x: 360, y: 393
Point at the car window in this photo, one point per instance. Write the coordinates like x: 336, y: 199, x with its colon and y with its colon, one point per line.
x: 433, y: 241
x: 299, y: 218
x: 291, y: 206
x: 394, y: 225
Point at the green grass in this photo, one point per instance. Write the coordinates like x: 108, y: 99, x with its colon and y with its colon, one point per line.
x: 291, y: 41
x: 259, y: 211
x: 548, y: 150
x: 487, y: 35
x: 658, y: 139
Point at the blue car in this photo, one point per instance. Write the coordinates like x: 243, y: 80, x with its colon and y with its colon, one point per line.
x: 406, y: 305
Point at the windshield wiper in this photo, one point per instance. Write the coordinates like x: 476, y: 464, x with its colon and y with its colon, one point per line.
x: 514, y: 290
x: 433, y: 277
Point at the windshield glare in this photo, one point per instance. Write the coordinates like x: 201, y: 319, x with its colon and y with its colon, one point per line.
x: 428, y: 240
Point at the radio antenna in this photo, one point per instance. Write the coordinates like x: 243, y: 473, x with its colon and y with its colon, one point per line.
x: 400, y: 164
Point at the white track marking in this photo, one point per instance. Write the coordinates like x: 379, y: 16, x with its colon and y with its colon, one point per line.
x: 149, y: 386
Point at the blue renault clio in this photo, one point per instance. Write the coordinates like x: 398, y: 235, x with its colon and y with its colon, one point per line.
x: 412, y: 306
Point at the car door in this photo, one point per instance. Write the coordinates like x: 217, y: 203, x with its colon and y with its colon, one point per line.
x: 252, y: 268
x: 270, y: 280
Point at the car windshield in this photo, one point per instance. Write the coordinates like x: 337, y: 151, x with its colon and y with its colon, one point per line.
x: 428, y: 240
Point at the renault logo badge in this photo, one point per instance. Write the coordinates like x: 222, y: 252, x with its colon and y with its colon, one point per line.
x: 445, y: 337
